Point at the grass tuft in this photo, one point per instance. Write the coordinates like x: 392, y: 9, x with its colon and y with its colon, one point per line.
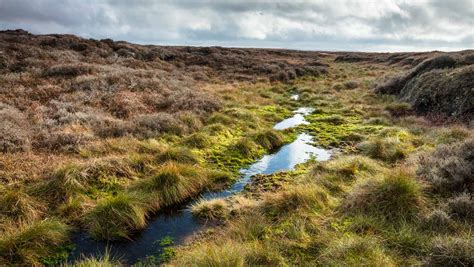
x: 178, y: 154
x: 397, y: 196
x: 172, y: 183
x: 294, y: 197
x: 102, y: 261
x: 269, y: 139
x: 388, y: 149
x: 355, y: 251
x: 247, y: 147
x: 197, y: 140
x: 19, y: 206
x: 212, y: 210
x: 451, y: 251
x: 116, y: 217
x: 29, y: 243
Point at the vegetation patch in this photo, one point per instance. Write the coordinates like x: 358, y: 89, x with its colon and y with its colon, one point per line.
x: 116, y: 217
x: 396, y: 195
x: 30, y: 243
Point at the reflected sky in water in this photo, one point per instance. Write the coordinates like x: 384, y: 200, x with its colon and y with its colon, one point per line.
x: 299, y: 151
x: 178, y: 221
x: 297, y: 119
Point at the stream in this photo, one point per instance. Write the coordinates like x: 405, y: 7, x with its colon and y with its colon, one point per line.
x: 178, y: 221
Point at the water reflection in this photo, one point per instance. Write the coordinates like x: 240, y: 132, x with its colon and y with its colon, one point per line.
x: 297, y: 119
x: 178, y: 221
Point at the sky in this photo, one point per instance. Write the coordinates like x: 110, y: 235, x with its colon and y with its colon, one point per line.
x: 334, y: 25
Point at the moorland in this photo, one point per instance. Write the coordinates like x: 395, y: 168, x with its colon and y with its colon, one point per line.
x: 98, y: 136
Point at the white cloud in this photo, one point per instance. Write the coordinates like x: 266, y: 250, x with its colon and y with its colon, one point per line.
x: 325, y: 25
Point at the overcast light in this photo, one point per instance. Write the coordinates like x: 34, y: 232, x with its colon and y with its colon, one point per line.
x: 377, y: 25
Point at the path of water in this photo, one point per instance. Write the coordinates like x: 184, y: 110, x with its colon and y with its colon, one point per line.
x: 178, y: 221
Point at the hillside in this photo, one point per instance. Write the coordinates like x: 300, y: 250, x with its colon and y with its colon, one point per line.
x: 99, y: 138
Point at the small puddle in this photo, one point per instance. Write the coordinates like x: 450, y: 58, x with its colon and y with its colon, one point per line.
x: 295, y: 97
x: 296, y: 120
x: 178, y: 221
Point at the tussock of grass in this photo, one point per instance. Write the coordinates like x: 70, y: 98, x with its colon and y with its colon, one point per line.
x: 178, y: 154
x: 406, y: 240
x: 213, y: 210
x: 220, y: 118
x: 64, y: 183
x: 218, y: 178
x: 29, y: 243
x: 71, y: 179
x: 389, y: 149
x: 116, y: 217
x: 399, y: 109
x: 309, y: 197
x: 348, y: 166
x: 378, y: 121
x: 242, y: 205
x: 247, y: 147
x: 250, y: 227
x: 214, y: 254
x: 451, y: 135
x: 198, y: 140
x: 74, y: 208
x: 335, y: 119
x: 102, y: 261
x: 19, y: 206
x: 396, y: 196
x: 269, y: 139
x: 451, y: 251
x: 355, y: 251
x: 172, y: 183
x: 338, y: 174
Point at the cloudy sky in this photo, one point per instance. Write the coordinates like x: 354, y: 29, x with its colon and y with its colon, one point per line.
x: 365, y: 25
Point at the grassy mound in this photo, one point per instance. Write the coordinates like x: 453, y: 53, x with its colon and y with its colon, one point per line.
x: 247, y: 148
x: 197, y: 140
x: 310, y: 197
x: 388, y: 149
x: 355, y: 251
x: 103, y: 261
x: 16, y: 205
x: 178, y: 154
x: 397, y: 196
x: 116, y: 217
x: 172, y: 183
x: 213, y: 210
x: 269, y: 139
x: 29, y: 243
x: 451, y: 252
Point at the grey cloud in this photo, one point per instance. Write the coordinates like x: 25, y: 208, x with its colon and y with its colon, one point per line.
x: 313, y: 25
